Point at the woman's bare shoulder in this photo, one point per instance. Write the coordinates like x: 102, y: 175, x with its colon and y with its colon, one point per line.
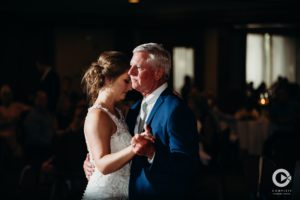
x: 97, y: 119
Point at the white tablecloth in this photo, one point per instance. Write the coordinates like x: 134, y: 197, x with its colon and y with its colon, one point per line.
x: 252, y: 135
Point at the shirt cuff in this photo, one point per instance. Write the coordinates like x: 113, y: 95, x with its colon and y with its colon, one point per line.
x: 151, y: 160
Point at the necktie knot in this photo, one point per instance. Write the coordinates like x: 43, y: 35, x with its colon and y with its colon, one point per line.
x: 144, y: 107
x: 144, y: 110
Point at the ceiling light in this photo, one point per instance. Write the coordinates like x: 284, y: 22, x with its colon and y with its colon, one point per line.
x: 133, y: 1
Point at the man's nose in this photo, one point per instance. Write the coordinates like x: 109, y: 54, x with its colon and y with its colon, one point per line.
x: 132, y: 71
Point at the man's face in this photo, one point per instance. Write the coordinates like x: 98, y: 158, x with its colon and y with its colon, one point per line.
x: 142, y: 73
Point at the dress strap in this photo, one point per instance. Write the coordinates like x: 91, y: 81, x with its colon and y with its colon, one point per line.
x: 112, y: 116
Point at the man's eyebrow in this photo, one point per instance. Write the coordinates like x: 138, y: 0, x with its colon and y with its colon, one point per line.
x: 135, y: 65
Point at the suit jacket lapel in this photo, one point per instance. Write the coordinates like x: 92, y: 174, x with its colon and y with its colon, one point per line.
x: 135, y: 109
x: 157, y: 104
x: 153, y: 111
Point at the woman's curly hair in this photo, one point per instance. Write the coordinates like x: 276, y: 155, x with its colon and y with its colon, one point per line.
x: 110, y: 65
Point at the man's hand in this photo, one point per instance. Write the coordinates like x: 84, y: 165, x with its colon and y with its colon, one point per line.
x: 88, y: 167
x: 143, y: 144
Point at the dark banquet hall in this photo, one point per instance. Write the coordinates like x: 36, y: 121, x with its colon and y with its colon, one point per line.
x: 235, y: 64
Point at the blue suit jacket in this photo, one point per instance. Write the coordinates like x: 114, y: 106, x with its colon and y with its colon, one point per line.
x: 172, y: 173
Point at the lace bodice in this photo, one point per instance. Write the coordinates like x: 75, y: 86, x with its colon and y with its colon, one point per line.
x: 114, y: 185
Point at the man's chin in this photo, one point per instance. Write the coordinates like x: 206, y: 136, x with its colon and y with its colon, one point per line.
x: 135, y: 87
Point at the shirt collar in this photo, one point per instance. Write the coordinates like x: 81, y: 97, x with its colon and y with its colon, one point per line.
x: 151, y: 98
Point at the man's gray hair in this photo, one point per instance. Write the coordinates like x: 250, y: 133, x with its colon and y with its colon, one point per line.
x: 158, y: 56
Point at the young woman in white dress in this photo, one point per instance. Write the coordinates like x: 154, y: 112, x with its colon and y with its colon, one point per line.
x: 108, y: 140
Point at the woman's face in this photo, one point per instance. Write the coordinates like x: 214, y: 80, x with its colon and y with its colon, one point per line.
x: 121, y: 86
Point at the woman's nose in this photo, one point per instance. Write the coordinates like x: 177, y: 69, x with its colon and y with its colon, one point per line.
x: 129, y: 87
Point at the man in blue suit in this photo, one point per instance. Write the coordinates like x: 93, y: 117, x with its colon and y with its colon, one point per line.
x: 168, y: 167
x: 172, y: 161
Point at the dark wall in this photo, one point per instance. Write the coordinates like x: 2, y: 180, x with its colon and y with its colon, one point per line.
x: 21, y: 45
x: 232, y: 67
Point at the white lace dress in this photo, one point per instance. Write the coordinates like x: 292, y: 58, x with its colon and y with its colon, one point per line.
x: 114, y: 185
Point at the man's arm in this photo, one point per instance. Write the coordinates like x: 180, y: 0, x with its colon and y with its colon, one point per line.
x: 88, y: 167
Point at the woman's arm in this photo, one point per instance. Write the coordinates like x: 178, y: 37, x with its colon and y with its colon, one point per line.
x: 98, y: 130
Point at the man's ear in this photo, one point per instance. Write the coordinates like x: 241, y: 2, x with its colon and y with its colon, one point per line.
x: 159, y: 73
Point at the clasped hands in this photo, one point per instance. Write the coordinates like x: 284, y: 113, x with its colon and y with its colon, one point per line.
x: 143, y: 144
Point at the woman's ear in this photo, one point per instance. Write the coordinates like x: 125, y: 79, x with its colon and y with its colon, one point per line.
x: 108, y: 82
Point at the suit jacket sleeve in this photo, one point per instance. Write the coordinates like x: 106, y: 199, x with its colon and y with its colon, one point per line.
x: 181, y: 154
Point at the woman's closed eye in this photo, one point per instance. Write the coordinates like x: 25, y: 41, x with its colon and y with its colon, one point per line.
x: 127, y: 80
